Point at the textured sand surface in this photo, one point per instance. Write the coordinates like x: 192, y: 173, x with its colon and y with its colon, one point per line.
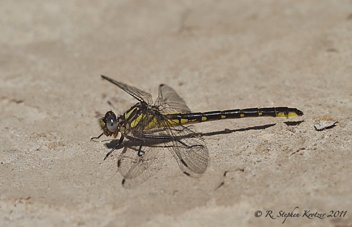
x: 216, y: 55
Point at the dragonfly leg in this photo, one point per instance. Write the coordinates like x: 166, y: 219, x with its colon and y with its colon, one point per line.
x: 140, y: 153
x: 118, y: 144
x: 96, y: 137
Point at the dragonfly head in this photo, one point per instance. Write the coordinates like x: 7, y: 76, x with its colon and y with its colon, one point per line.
x: 109, y: 124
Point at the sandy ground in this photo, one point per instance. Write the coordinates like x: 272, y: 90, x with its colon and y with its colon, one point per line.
x: 216, y: 55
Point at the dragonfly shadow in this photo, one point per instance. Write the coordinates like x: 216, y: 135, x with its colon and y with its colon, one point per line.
x: 293, y: 123
x: 260, y: 127
x: 113, y: 143
x: 134, y: 143
x: 227, y: 131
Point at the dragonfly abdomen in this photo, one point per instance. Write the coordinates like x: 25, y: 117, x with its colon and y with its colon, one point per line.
x: 185, y: 118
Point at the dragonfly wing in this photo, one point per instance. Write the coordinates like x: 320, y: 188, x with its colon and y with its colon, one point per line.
x: 188, y: 148
x: 140, y: 95
x: 137, y: 169
x: 169, y: 101
x: 191, y: 155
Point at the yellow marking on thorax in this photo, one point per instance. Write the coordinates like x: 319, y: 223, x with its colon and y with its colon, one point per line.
x: 223, y: 116
x: 204, y: 118
x: 260, y: 114
x: 242, y: 115
x: 152, y: 124
x: 135, y: 122
x: 127, y: 115
x: 142, y: 117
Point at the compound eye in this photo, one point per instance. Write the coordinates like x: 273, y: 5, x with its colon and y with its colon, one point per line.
x: 111, y: 124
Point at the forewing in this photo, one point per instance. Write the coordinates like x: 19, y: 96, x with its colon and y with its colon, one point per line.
x: 134, y: 92
x: 169, y: 101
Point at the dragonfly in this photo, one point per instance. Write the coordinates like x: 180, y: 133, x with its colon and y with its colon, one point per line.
x: 151, y: 127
